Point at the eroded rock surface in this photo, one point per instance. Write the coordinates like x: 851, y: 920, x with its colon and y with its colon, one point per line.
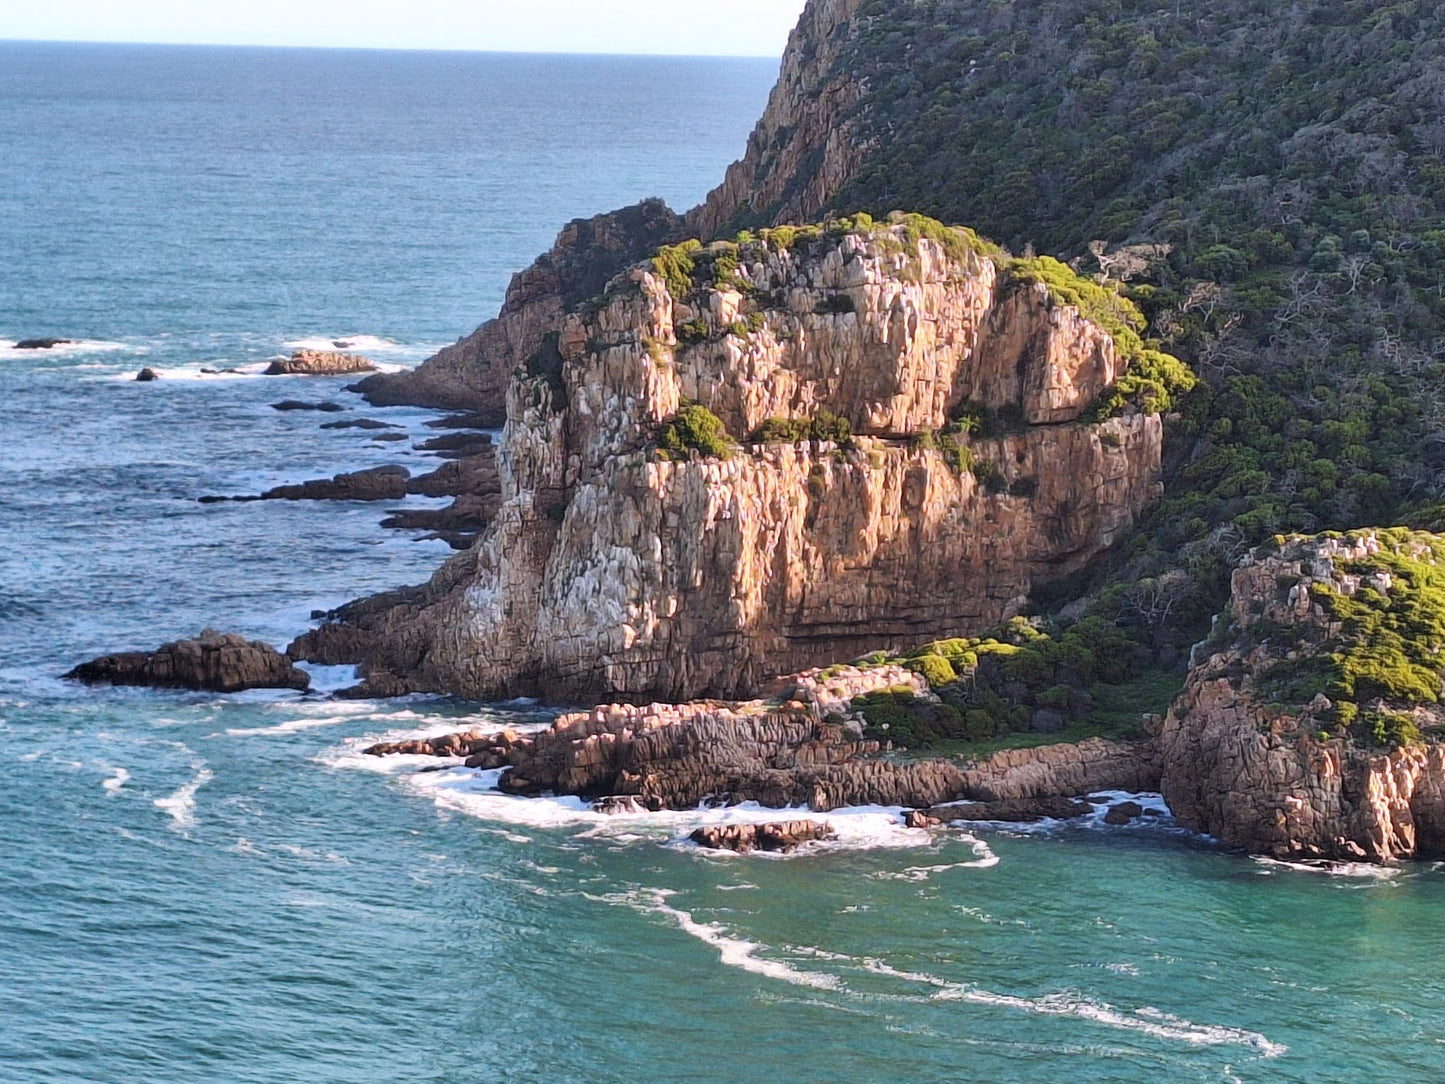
x: 213, y: 661
x: 783, y: 837
x: 1282, y: 779
x: 610, y: 571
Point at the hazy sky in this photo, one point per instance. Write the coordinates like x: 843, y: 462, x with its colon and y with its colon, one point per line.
x: 720, y: 27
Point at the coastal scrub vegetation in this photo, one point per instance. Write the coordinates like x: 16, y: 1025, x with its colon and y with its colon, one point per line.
x: 825, y: 426
x: 1386, y: 649
x: 1019, y: 683
x: 695, y: 428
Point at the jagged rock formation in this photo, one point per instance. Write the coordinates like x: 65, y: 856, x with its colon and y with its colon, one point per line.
x: 212, y: 661
x: 1245, y: 763
x: 780, y: 755
x: 800, y: 154
x: 320, y: 363
x: 611, y: 570
x: 783, y: 837
x: 472, y: 374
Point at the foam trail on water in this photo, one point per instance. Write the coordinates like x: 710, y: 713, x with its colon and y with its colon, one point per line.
x: 734, y: 951
x: 291, y: 726
x: 1148, y: 1020
x: 181, y: 806
x: 118, y: 778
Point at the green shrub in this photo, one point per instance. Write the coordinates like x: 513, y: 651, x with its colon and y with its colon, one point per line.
x: 676, y: 264
x: 695, y: 429
x: 935, y: 669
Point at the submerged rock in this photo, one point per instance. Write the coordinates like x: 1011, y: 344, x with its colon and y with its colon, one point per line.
x: 146, y: 375
x: 296, y: 404
x: 1011, y: 811
x: 213, y: 662
x: 361, y: 423
x: 41, y: 344
x: 320, y: 363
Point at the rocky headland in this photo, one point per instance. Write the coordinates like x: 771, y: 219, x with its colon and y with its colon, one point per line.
x: 1310, y: 724
x: 904, y: 445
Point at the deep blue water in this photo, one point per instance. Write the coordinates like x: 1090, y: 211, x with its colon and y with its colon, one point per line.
x: 198, y: 888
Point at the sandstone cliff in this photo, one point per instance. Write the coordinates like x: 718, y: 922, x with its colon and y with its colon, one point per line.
x: 1305, y: 728
x: 612, y: 569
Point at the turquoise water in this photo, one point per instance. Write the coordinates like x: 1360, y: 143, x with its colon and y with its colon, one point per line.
x: 198, y: 888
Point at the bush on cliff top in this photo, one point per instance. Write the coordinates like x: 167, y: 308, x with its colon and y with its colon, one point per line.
x: 695, y: 428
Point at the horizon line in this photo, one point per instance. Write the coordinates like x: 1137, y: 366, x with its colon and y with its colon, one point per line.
x: 388, y: 49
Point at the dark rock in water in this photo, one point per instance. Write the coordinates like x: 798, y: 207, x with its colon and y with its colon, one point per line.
x: 360, y: 423
x: 147, y: 375
x: 917, y: 818
x: 220, y: 372
x: 40, y: 344
x: 1123, y: 813
x: 320, y: 363
x: 213, y: 662
x: 377, y: 484
x: 388, y: 438
x: 463, y: 444
x: 1012, y: 811
x: 296, y: 404
x: 782, y: 837
x: 474, y: 420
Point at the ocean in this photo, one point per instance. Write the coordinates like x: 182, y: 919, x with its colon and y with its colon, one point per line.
x: 221, y: 889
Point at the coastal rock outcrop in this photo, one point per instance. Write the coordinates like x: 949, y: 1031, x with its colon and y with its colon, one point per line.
x: 40, y: 344
x: 783, y: 837
x: 612, y: 568
x: 1308, y: 727
x: 472, y: 374
x: 320, y: 363
x: 213, y: 661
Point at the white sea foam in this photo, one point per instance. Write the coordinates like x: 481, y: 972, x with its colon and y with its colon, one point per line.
x: 181, y: 806
x: 118, y: 778
x: 355, y: 344
x: 1147, y: 1020
x: 290, y: 726
x: 734, y: 951
x: 1349, y: 870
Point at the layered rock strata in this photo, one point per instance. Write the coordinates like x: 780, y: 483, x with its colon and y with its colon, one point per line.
x: 611, y: 570
x: 625, y: 759
x: 1282, y: 779
x: 213, y: 661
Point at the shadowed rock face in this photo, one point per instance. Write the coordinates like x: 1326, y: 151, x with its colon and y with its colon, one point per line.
x: 1278, y: 779
x: 473, y: 373
x: 608, y: 571
x: 211, y: 662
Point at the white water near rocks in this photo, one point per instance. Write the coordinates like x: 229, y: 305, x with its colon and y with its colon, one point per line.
x: 223, y: 888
